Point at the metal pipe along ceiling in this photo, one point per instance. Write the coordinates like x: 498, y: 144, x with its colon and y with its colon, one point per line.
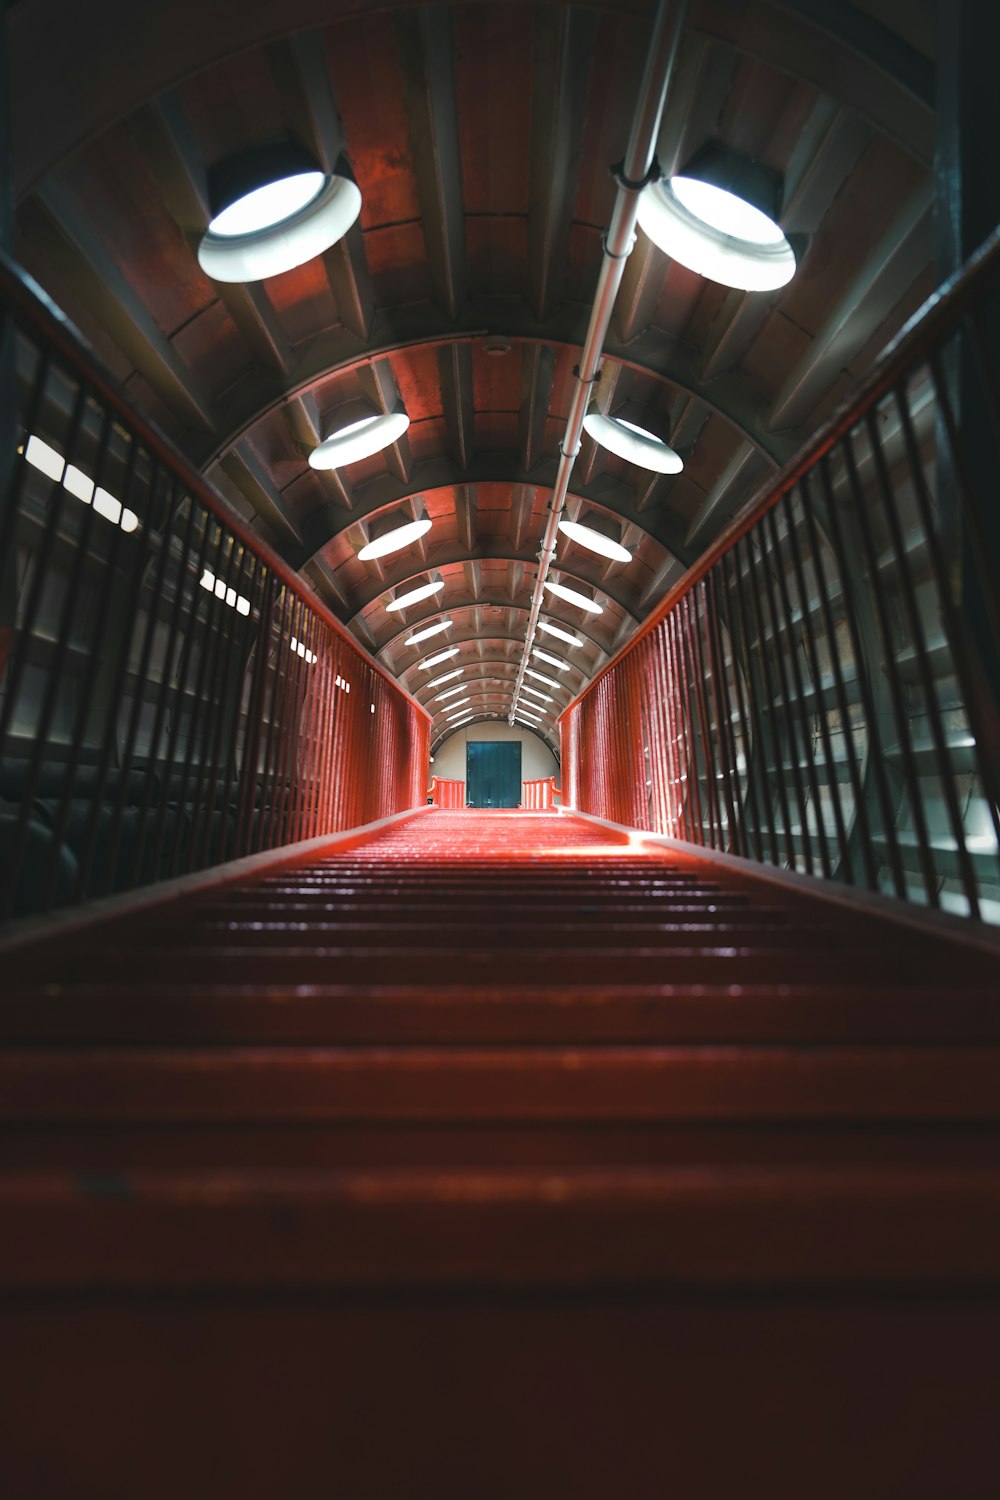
x: 618, y: 241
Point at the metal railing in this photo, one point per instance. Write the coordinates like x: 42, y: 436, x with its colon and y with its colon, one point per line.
x: 822, y: 689
x: 171, y: 695
x: 539, y: 795
x: 447, y: 792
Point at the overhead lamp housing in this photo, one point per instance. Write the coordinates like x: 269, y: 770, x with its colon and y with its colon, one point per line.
x: 559, y: 633
x: 553, y: 661
x: 634, y: 442
x: 388, y: 534
x: 600, y: 535
x: 414, y: 596
x: 439, y: 656
x: 573, y: 596
x: 428, y: 631
x: 274, y: 208
x: 720, y: 217
x: 360, y: 437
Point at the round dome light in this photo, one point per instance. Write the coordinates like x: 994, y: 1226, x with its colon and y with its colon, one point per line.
x: 268, y: 205
x: 559, y: 633
x: 595, y: 541
x: 359, y: 440
x: 432, y: 661
x: 422, y: 591
x: 571, y: 596
x: 719, y: 217
x: 427, y: 632
x: 274, y: 209
x: 541, y: 677
x: 395, y: 540
x: 553, y: 661
x: 445, y: 677
x: 634, y: 443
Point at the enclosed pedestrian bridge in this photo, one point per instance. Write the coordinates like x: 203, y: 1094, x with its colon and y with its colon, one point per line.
x: 499, y: 754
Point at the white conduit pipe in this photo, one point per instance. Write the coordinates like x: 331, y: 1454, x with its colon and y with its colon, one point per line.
x: 632, y: 176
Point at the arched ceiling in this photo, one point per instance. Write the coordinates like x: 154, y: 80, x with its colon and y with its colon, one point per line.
x: 481, y: 135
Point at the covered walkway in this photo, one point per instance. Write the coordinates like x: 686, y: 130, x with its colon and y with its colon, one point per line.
x: 489, y: 1128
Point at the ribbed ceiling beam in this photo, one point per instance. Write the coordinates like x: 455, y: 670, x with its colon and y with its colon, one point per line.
x: 427, y: 61
x: 492, y: 550
x: 336, y: 352
x: 321, y: 525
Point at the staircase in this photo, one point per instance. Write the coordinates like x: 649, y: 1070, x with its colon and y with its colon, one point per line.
x: 500, y: 1155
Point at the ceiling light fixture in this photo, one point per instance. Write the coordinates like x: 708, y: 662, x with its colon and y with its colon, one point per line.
x: 451, y: 693
x: 541, y: 677
x: 423, y: 591
x: 427, y: 632
x: 572, y: 596
x: 537, y: 693
x: 553, y: 661
x: 387, y: 535
x: 637, y: 445
x: 460, y: 701
x: 273, y: 208
x: 719, y: 217
x: 596, y: 538
x: 432, y: 661
x: 559, y: 633
x: 445, y: 677
x: 360, y: 439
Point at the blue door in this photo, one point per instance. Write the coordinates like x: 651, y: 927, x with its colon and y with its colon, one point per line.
x: 492, y: 773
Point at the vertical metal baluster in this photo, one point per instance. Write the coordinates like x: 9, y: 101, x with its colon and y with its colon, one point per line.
x: 829, y: 625
x: 686, y: 827
x: 327, y: 815
x: 224, y: 729
x: 676, y: 803
x: 230, y: 783
x: 54, y: 681
x: 797, y: 720
x: 209, y: 637
x: 306, y: 811
x: 910, y: 775
x: 723, y: 710
x: 699, y: 815
x: 697, y: 677
x: 145, y: 653
x: 277, y: 731
x: 56, y: 504
x: 173, y: 631
x: 812, y: 654
x: 877, y: 756
x: 639, y: 795
x: 755, y: 845
x: 187, y: 651
x: 927, y: 684
x: 949, y: 614
x: 19, y: 471
x: 662, y: 736
x: 250, y: 768
x: 773, y: 693
x: 92, y: 649
x: 132, y: 584
x: 288, y: 787
x: 218, y: 643
x: 787, y: 707
x: 338, y: 735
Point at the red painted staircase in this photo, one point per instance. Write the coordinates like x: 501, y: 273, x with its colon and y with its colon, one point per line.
x: 500, y: 1156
